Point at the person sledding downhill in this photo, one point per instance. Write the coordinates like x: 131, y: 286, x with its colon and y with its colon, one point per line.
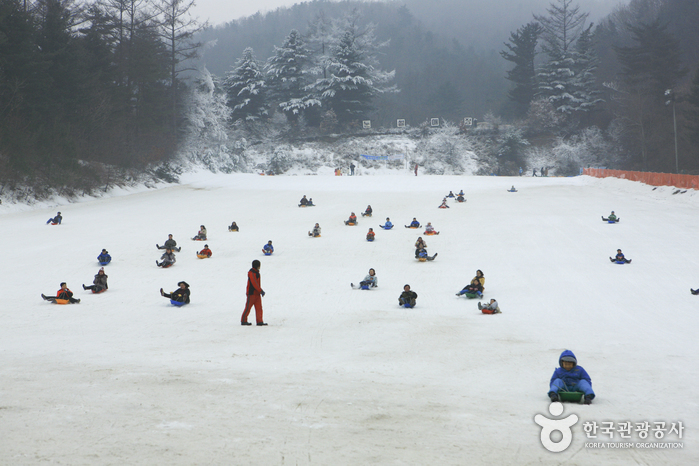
x: 254, y: 293
x: 180, y: 295
x: 460, y: 198
x: 444, y: 204
x: 413, y: 224
x: 99, y: 284
x: 429, y: 230
x: 55, y: 220
x: 167, y: 259
x: 611, y: 219
x: 201, y: 235
x: 694, y: 292
x: 316, y: 231
x: 368, y: 211
x: 476, y: 287
x: 169, y: 244
x: 570, y: 377
x: 352, y: 220
x: 388, y: 225
x: 306, y: 202
x: 619, y: 258
x: 63, y: 296
x: 370, y: 281
x: 205, y: 253
x: 490, y: 308
x: 407, y: 298
x: 104, y: 258
x: 461, y: 193
x: 370, y: 235
x: 451, y: 194
x: 268, y: 249
x: 512, y: 189
x: 422, y: 256
x: 233, y: 227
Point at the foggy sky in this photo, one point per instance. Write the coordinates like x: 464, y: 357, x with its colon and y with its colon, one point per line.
x: 222, y: 11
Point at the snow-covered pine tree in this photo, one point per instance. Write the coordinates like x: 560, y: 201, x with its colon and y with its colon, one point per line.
x: 352, y: 79
x: 522, y: 51
x: 585, y: 91
x: 288, y: 71
x: 245, y: 86
x: 561, y: 30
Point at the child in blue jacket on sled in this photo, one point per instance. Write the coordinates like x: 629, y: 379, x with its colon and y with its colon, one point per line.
x: 570, y: 378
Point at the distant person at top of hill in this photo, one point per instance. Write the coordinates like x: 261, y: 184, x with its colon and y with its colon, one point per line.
x: 570, y: 377
x: 201, y: 235
x: 99, y: 283
x: 352, y: 220
x: 620, y: 257
x: 169, y: 244
x: 55, y: 220
x: 64, y: 293
x: 316, y: 231
x: 444, y: 204
x: 512, y: 189
x: 233, y: 227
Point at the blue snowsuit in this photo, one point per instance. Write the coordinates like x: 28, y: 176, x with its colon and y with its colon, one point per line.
x: 574, y: 380
x: 268, y: 248
x: 104, y: 258
x: 415, y: 224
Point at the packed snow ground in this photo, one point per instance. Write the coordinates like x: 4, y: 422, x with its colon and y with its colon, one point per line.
x: 340, y: 376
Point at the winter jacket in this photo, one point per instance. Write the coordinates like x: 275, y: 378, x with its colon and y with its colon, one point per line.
x: 168, y: 257
x: 571, y: 377
x: 388, y: 225
x: 205, y: 252
x: 478, y: 282
x: 180, y: 295
x: 612, y: 217
x: 104, y: 258
x: 407, y: 296
x: 415, y: 224
x: 620, y: 257
x: 352, y: 219
x: 64, y: 294
x: 370, y: 235
x: 316, y: 231
x: 429, y: 228
x: 268, y: 248
x: 254, y: 287
x: 420, y: 244
x: 368, y: 210
x: 492, y: 306
x: 372, y: 280
x: 170, y: 244
x: 101, y: 281
x: 303, y: 201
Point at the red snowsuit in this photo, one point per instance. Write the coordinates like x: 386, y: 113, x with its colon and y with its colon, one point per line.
x: 254, y: 294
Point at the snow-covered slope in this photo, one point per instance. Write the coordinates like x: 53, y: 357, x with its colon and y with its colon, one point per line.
x: 346, y: 377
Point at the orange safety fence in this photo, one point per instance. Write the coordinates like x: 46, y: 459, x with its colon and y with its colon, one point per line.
x: 653, y: 179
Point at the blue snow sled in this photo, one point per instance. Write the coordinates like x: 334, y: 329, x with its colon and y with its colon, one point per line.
x: 267, y: 253
x: 370, y: 239
x: 611, y: 221
x: 364, y: 287
x: 385, y: 227
x: 105, y: 263
x: 619, y: 262
x: 177, y: 303
x: 408, y: 306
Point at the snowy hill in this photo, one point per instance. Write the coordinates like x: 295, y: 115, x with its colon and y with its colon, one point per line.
x: 340, y: 376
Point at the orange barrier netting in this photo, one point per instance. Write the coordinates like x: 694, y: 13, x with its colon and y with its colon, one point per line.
x: 653, y: 179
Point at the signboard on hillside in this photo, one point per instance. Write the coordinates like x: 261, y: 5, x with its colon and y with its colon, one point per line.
x: 366, y: 124
x: 434, y: 121
x: 400, y: 123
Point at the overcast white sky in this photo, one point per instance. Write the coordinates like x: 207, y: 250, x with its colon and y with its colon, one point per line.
x: 221, y: 11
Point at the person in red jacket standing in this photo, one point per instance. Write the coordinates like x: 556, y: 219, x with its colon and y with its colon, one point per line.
x: 254, y: 293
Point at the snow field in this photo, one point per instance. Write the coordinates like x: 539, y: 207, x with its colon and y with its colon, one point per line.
x: 343, y: 376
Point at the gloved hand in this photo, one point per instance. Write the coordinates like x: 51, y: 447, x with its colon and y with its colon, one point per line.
x: 262, y: 292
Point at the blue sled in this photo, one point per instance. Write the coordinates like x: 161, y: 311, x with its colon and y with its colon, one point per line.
x: 364, y: 287
x: 370, y: 239
x: 408, y: 306
x: 177, y: 303
x: 268, y: 254
x: 386, y: 228
x: 620, y: 262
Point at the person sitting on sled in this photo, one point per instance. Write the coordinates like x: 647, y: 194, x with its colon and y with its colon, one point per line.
x: 451, y: 194
x: 206, y: 251
x: 169, y: 244
x: 512, y: 189
x: 422, y: 254
x: 570, y: 377
x: 99, y: 283
x: 419, y: 244
x: 371, y: 280
x: 388, y: 225
x: 444, y: 204
x: 620, y: 257
x: 316, y: 231
x: 167, y: 259
x: 310, y: 202
x: 429, y: 229
x: 476, y: 285
x: 370, y: 235
x: 64, y: 293
x: 461, y: 193
x: 368, y: 211
x: 201, y: 236
x: 268, y: 248
x: 407, y: 297
x: 491, y: 306
x: 303, y: 201
x: 352, y: 219
x: 233, y: 227
x: 56, y: 220
x: 460, y: 198
x: 181, y: 294
x: 611, y: 218
x: 414, y: 224
x: 695, y: 292
x: 104, y: 257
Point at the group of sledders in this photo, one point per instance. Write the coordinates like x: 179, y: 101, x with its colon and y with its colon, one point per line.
x: 65, y: 296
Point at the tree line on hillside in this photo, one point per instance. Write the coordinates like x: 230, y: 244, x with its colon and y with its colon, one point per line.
x: 84, y: 85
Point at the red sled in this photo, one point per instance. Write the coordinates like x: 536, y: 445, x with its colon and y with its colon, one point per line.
x: 490, y: 311
x: 98, y: 292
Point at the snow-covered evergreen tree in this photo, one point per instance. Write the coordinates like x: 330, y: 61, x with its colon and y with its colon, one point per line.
x: 585, y: 91
x: 522, y: 51
x: 288, y: 72
x: 561, y: 30
x: 353, y: 77
x: 246, y: 89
